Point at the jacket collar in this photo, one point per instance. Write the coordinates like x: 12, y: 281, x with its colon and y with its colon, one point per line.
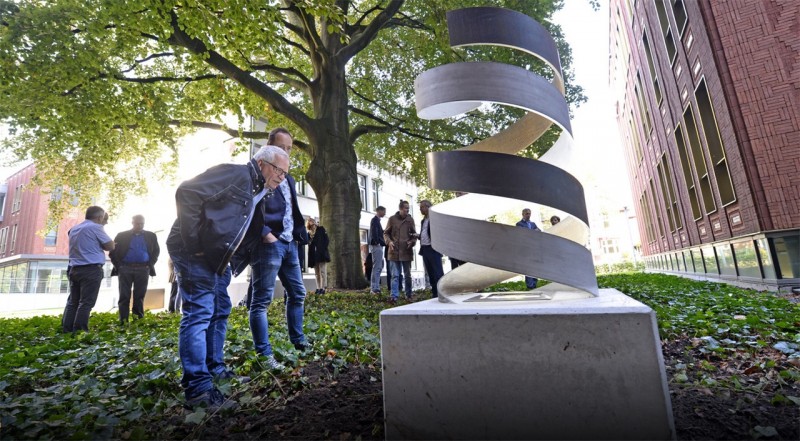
x: 258, y: 178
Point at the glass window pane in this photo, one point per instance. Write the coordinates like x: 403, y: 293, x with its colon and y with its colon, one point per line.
x: 697, y: 258
x: 787, y: 250
x: 766, y: 259
x: 710, y: 260
x: 746, y: 259
x: 727, y: 266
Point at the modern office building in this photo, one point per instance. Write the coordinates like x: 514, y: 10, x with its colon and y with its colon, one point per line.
x: 708, y: 107
x: 32, y: 260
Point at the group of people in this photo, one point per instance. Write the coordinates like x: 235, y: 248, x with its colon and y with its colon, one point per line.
x: 228, y: 218
x: 396, y: 242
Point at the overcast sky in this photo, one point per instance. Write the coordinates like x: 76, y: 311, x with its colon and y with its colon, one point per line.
x: 594, y: 124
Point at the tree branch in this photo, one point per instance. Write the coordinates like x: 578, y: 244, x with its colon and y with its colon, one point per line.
x: 359, y: 40
x: 149, y: 80
x: 283, y: 72
x: 386, y: 126
x: 213, y: 58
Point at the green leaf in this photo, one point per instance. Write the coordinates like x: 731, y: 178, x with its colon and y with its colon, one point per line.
x: 195, y: 417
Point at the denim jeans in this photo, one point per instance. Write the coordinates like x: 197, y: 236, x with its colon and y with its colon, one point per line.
x: 377, y: 267
x: 135, y: 277
x: 206, y: 306
x: 84, y: 285
x: 432, y: 260
x: 405, y: 267
x: 269, y: 261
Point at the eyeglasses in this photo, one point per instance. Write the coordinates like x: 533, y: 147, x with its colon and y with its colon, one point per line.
x: 278, y: 170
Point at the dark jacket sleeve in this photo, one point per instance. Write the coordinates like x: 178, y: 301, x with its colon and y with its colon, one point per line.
x: 376, y: 233
x: 153, y: 250
x: 299, y: 232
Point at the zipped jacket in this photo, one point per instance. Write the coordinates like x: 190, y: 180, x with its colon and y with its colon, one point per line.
x: 215, y: 209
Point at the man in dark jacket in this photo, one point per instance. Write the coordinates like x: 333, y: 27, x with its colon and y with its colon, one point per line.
x: 134, y: 259
x: 376, y: 244
x: 431, y: 259
x: 215, y: 211
x: 282, y: 229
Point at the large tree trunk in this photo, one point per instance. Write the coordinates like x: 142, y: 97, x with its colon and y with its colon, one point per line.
x: 333, y: 177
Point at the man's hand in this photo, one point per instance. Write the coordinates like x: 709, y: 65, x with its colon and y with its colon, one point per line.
x: 269, y: 238
x: 391, y: 246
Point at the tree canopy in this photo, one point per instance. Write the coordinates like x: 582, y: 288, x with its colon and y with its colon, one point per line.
x: 96, y: 91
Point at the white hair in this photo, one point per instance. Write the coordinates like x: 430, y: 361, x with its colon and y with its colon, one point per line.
x: 269, y: 153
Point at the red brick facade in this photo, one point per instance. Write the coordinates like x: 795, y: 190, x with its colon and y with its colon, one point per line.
x: 709, y: 112
x: 29, y: 216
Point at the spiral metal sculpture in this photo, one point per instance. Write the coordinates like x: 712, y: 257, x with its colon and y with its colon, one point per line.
x: 491, y: 168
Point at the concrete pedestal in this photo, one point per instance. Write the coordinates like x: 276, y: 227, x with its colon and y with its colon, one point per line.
x: 566, y: 368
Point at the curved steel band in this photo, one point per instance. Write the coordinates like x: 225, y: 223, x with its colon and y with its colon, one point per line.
x: 447, y: 87
x: 511, y: 248
x: 508, y: 176
x: 504, y: 27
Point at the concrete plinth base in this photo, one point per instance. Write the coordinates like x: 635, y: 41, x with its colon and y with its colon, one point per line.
x: 566, y: 368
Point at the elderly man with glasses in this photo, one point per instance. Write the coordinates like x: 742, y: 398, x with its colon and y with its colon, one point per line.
x: 282, y: 230
x: 215, y: 221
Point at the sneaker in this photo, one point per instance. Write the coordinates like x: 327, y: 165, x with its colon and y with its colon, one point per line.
x: 377, y: 293
x: 271, y: 363
x: 392, y: 301
x: 212, y: 400
x: 230, y: 375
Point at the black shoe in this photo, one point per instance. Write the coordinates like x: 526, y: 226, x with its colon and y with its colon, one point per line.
x: 212, y: 400
x: 302, y: 346
x: 230, y: 375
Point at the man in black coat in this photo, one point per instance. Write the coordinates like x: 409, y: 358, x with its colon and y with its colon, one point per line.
x: 134, y: 258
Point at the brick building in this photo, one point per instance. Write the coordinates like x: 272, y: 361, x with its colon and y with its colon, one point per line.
x: 29, y: 261
x: 708, y: 107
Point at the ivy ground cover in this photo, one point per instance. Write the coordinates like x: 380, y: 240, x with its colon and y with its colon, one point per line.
x: 731, y: 357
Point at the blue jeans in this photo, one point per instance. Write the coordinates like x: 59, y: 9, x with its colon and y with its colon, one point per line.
x: 377, y: 266
x: 530, y: 282
x: 405, y: 267
x: 271, y: 260
x: 432, y: 260
x: 206, y: 307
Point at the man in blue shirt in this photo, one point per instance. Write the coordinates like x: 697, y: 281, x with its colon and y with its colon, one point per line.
x: 526, y: 222
x: 276, y: 256
x: 134, y: 260
x: 376, y: 244
x: 87, y: 242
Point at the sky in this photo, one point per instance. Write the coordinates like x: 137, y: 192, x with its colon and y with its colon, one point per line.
x: 593, y: 123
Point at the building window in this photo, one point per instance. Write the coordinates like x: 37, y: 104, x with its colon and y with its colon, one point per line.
x: 787, y: 251
x: 362, y: 186
x: 609, y: 246
x: 50, y: 239
x: 3, y: 240
x: 643, y: 108
x: 710, y: 260
x: 668, y: 193
x: 716, y: 149
x: 679, y: 11
x: 13, y: 238
x: 376, y: 186
x: 687, y: 173
x: 660, y: 221
x: 699, y: 160
x: 651, y: 65
x: 300, y: 187
x: 765, y: 259
x: 727, y: 267
x: 17, y: 204
x: 746, y: 259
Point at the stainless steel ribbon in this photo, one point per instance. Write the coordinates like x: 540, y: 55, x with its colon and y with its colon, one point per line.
x: 490, y: 168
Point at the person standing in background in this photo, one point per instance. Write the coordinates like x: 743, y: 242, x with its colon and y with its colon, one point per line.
x: 431, y: 258
x: 134, y: 258
x: 87, y: 243
x: 376, y: 245
x: 526, y: 222
x: 400, y: 236
x: 318, y: 254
